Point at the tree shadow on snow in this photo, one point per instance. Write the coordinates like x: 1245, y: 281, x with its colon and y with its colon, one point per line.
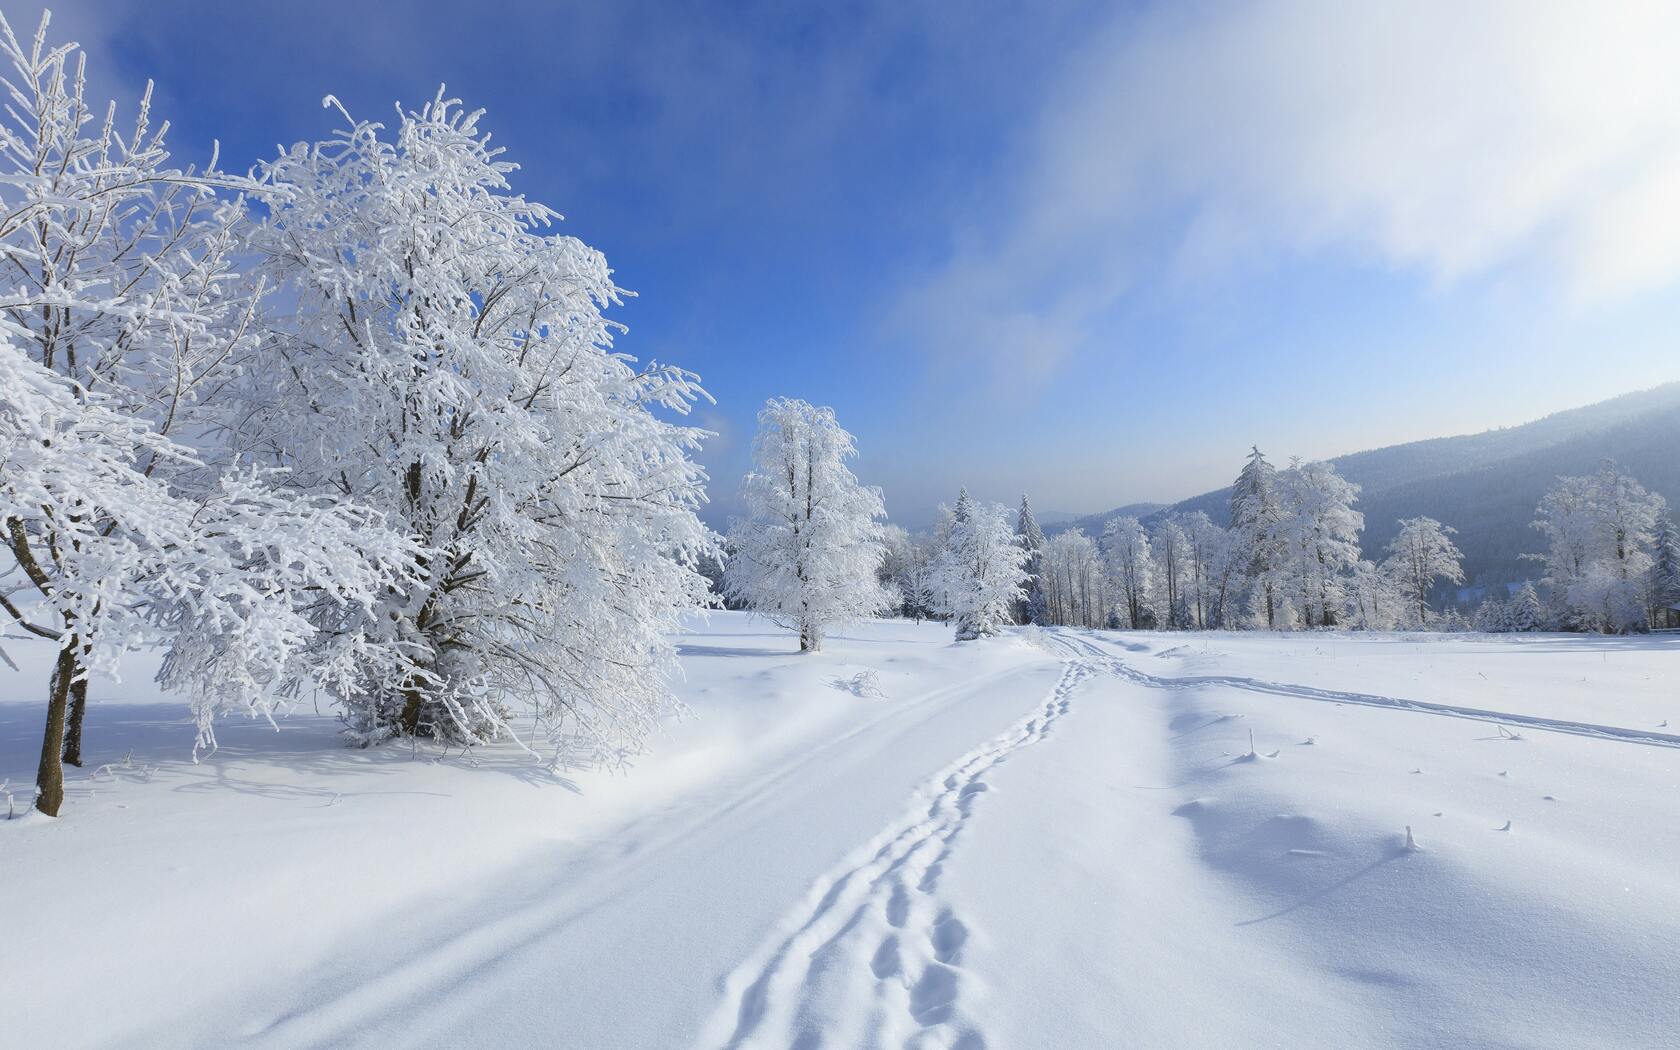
x: 307, y: 758
x: 689, y: 649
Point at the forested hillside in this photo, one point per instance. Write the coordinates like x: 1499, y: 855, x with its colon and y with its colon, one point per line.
x: 1486, y: 485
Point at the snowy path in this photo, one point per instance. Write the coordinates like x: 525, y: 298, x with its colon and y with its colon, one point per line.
x: 876, y: 953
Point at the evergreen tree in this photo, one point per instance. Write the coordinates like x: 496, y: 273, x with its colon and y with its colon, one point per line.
x: 1031, y: 609
x: 983, y: 570
x: 1526, y: 613
x: 1665, y: 566
x: 1492, y: 615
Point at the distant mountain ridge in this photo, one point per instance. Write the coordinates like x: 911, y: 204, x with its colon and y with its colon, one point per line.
x: 1486, y: 485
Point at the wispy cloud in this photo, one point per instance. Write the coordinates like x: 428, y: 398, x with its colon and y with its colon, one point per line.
x: 1448, y: 140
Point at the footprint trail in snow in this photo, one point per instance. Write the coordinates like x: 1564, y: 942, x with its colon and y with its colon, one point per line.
x: 874, y: 956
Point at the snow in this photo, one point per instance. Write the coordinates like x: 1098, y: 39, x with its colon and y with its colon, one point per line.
x: 1051, y: 838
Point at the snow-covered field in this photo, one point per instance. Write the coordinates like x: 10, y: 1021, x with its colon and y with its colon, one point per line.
x: 1058, y: 838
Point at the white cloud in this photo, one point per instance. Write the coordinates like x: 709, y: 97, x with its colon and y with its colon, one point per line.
x: 1445, y: 139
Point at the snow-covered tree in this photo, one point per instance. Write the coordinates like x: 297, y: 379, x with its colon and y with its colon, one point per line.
x: 1131, y: 564
x: 1215, y: 569
x: 807, y: 551
x: 1493, y: 616
x: 1320, y: 538
x: 1031, y: 609
x: 1525, y: 612
x: 1665, y: 565
x: 938, y: 542
x: 446, y: 361
x: 1565, y: 517
x: 908, y: 570
x: 1256, y: 528
x: 1601, y: 531
x: 1074, y: 587
x: 1420, y: 555
x: 1171, y: 547
x: 117, y: 270
x: 1373, y: 602
x: 896, y: 549
x: 133, y: 562
x: 983, y: 570
x: 126, y: 323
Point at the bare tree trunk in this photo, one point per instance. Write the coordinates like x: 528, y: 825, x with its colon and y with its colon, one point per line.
x: 49, y: 778
x: 78, y: 710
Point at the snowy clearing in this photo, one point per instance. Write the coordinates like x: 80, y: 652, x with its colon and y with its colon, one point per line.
x: 1056, y: 838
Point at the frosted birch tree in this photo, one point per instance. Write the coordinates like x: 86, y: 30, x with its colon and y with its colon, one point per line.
x: 1213, y: 568
x: 1173, y: 566
x: 1131, y: 565
x: 447, y: 361
x: 807, y: 550
x: 1074, y: 588
x: 1422, y: 554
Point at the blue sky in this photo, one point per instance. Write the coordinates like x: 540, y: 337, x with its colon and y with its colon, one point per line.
x: 1089, y: 251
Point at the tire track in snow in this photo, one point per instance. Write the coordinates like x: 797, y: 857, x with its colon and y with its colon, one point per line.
x: 875, y: 946
x: 1112, y: 664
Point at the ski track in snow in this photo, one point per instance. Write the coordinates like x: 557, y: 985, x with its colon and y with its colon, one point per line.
x: 1112, y: 664
x: 362, y: 1003
x: 875, y: 945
